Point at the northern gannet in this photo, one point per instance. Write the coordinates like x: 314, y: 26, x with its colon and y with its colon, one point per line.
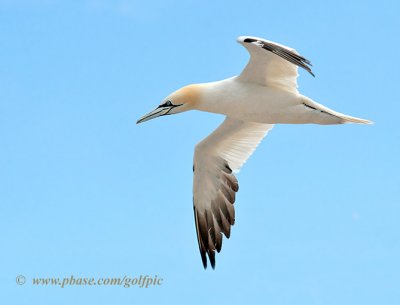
x: 264, y: 94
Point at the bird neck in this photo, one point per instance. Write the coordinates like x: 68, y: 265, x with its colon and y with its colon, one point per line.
x: 212, y: 96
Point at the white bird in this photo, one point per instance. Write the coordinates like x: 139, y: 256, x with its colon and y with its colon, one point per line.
x: 265, y: 93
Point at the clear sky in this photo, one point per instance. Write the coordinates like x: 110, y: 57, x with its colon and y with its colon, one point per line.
x: 84, y: 191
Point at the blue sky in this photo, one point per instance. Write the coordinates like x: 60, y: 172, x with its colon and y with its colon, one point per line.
x: 86, y: 192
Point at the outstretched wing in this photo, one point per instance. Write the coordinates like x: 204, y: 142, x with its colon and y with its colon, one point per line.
x: 214, y: 185
x: 272, y: 64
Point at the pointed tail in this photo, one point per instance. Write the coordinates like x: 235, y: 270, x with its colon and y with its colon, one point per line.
x: 351, y: 119
x: 345, y: 118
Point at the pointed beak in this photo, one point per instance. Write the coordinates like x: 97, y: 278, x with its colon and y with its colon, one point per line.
x: 159, y: 111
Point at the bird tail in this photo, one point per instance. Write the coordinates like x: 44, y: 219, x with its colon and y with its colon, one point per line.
x: 351, y: 119
x: 343, y: 117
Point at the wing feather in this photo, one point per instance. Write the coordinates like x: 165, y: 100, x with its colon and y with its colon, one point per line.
x: 272, y: 64
x: 215, y: 186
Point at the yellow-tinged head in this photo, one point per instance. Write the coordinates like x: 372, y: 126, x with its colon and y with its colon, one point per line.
x: 181, y: 100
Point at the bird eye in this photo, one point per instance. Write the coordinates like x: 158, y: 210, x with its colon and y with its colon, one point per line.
x: 166, y: 104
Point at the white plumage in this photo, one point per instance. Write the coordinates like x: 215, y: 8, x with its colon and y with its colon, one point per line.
x: 265, y: 93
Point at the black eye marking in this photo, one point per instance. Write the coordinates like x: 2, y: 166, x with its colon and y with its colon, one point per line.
x: 166, y: 104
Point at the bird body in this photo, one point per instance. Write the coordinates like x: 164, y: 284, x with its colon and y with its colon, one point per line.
x: 255, y: 103
x: 264, y: 94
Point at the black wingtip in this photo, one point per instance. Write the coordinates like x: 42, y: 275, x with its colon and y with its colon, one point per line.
x: 204, y: 260
x: 211, y: 256
x: 249, y: 40
x: 284, y: 53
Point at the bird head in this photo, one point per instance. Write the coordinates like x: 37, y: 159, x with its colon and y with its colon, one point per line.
x: 181, y: 100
